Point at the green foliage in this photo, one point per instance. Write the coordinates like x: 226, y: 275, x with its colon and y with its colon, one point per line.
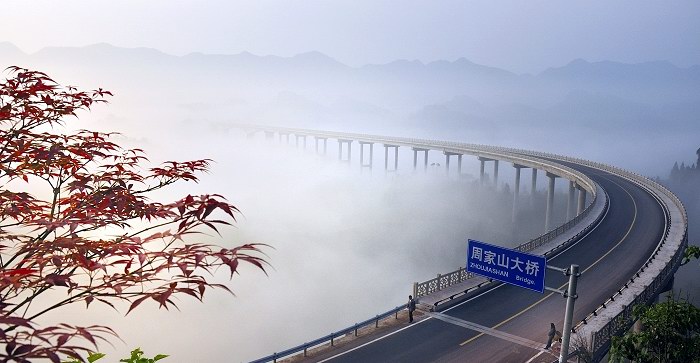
x: 670, y: 333
x: 136, y: 357
x: 690, y: 253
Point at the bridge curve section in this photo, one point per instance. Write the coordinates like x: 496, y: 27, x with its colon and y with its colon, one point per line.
x: 659, y: 244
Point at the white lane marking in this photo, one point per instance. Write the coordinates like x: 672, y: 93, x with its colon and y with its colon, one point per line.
x: 534, y: 357
x: 490, y: 331
x: 394, y: 332
x: 375, y: 340
x: 466, y: 301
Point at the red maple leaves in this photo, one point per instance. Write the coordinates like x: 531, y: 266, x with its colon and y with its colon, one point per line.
x: 97, y: 236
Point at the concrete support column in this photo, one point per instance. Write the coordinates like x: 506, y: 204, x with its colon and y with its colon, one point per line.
x: 362, y: 155
x: 325, y: 144
x: 570, y: 203
x: 495, y: 173
x: 340, y: 149
x: 425, y: 161
x: 269, y: 135
x: 481, y: 171
x: 581, y: 200
x: 533, y: 183
x: 459, y: 164
x: 550, y: 203
x: 371, y: 154
x: 297, y: 137
x: 286, y: 135
x: 516, y: 191
x: 386, y: 157
x: 447, y: 161
x: 415, y: 158
x: 396, y: 157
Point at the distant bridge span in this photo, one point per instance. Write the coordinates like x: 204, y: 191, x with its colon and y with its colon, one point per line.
x: 628, y: 255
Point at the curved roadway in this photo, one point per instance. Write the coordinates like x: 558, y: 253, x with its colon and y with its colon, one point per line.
x: 608, y: 256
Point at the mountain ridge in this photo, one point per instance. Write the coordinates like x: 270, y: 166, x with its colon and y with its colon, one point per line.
x: 324, y: 59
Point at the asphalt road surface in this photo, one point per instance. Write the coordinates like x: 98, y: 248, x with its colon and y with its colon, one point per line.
x: 608, y: 256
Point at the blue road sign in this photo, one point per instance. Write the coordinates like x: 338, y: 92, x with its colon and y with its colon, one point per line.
x: 507, y: 265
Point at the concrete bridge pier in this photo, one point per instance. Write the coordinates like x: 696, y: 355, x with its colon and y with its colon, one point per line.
x: 286, y: 135
x: 495, y: 174
x: 396, y: 157
x: 570, y: 212
x: 495, y: 170
x: 533, y: 184
x: 325, y: 144
x: 481, y: 171
x: 340, y: 149
x: 447, y: 162
x: 269, y: 135
x: 362, y: 154
x: 297, y: 137
x: 415, y: 158
x: 581, y: 200
x: 516, y: 191
x: 550, y: 203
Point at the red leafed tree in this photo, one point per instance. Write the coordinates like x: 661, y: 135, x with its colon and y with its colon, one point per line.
x: 75, y: 216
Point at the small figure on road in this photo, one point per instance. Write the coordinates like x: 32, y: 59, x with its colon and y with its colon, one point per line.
x: 551, y: 334
x: 411, y: 306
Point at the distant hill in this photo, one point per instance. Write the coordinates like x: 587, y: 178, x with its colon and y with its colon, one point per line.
x: 611, y: 103
x: 653, y: 82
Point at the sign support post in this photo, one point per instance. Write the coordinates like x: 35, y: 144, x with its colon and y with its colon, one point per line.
x: 527, y: 271
x: 571, y: 296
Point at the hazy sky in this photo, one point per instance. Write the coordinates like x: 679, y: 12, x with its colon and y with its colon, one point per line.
x: 522, y: 36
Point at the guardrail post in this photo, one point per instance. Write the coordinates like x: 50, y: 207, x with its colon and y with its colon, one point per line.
x: 415, y: 290
x: 376, y: 321
x: 438, y: 288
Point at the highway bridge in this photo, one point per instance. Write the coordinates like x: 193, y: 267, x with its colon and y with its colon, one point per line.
x: 628, y: 241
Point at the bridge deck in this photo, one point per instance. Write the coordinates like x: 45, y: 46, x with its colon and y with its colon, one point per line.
x: 457, y: 291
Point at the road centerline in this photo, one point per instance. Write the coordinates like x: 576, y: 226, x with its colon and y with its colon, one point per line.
x: 634, y: 219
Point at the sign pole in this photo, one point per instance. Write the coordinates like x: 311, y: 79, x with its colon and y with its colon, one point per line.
x: 569, y: 315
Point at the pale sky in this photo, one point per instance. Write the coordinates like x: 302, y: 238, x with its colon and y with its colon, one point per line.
x: 517, y: 35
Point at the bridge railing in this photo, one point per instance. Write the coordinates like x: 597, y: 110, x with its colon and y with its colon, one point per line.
x: 460, y: 275
x: 622, y: 319
x: 618, y: 322
x: 458, y: 147
x: 330, y: 337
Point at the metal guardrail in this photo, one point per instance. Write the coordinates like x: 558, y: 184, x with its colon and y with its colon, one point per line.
x: 494, y: 152
x: 601, y: 338
x: 455, y: 277
x: 330, y: 337
x: 460, y: 275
